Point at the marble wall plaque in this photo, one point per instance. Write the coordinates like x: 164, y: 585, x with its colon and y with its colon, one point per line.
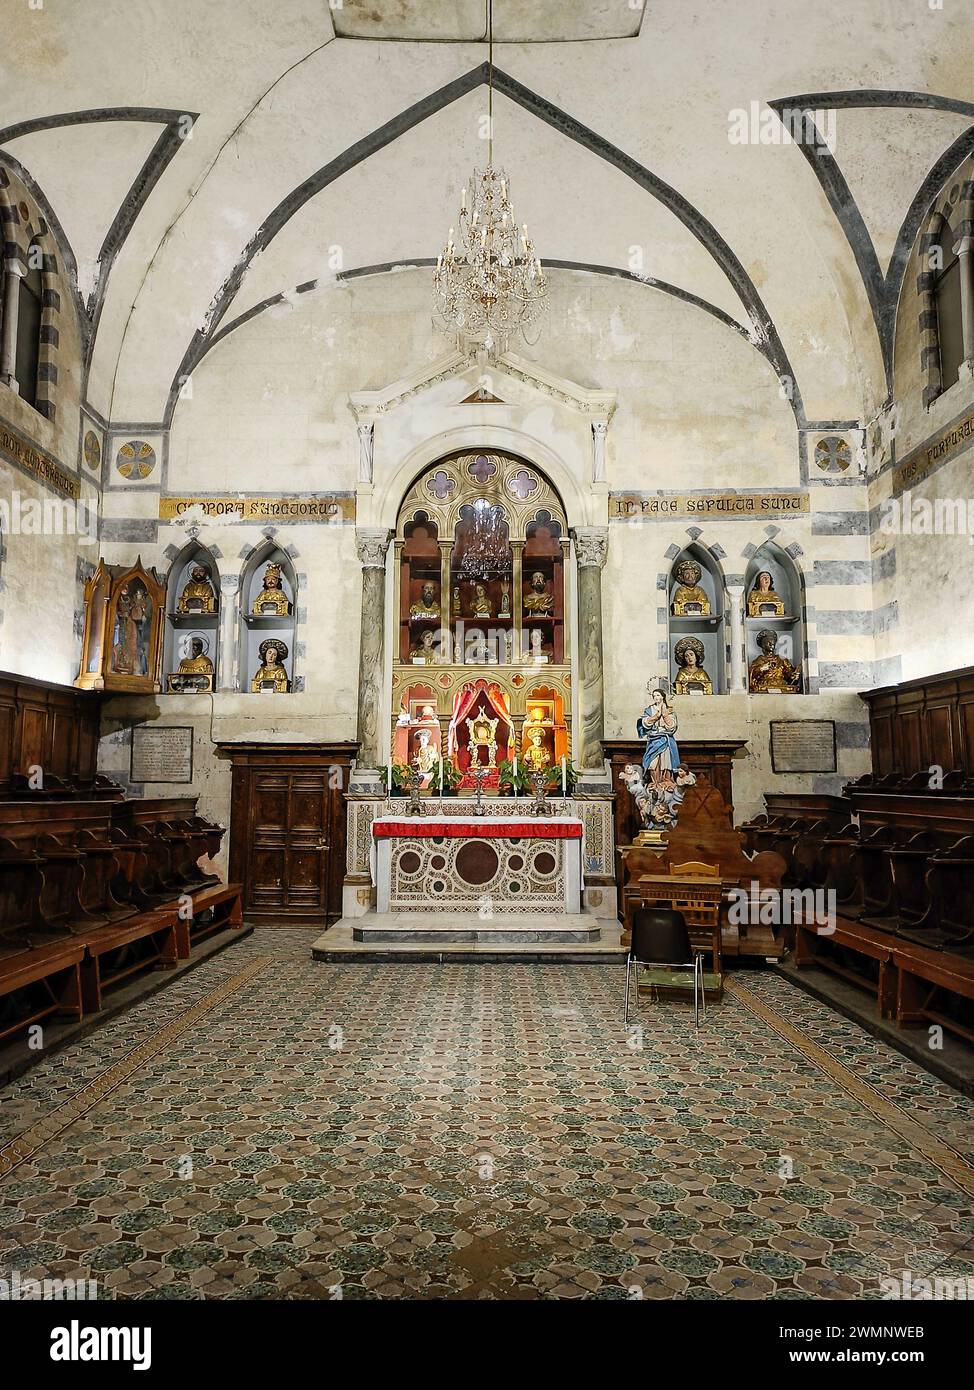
x: 803, y: 745
x: 162, y: 754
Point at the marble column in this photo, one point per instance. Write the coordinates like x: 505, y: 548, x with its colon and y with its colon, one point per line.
x: 12, y: 274
x: 965, y: 254
x: 735, y: 603
x: 373, y: 543
x: 591, y: 547
x: 228, y: 670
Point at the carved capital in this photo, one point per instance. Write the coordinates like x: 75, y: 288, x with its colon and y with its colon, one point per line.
x: 591, y: 545
x: 372, y: 543
x: 229, y: 583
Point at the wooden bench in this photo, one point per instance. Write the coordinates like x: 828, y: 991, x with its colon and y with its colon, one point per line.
x: 93, y: 892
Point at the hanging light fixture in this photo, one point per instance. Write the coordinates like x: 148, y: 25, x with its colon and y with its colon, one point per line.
x: 489, y: 284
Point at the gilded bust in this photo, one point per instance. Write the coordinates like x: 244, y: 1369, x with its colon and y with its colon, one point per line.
x: 271, y: 672
x: 424, y: 650
x: 481, y: 601
x: 692, y: 678
x: 198, y: 594
x: 272, y: 598
x: 689, y: 599
x: 539, y: 600
x: 428, y: 605
x: 195, y: 671
x: 770, y: 672
x: 762, y: 601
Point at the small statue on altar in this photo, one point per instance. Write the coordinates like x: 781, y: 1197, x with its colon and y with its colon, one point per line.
x: 540, y: 601
x: 770, y: 673
x: 505, y: 609
x: 482, y: 733
x: 457, y: 607
x: 481, y: 601
x: 762, y: 601
x: 689, y: 599
x: 692, y: 678
x: 658, y: 725
x: 198, y: 594
x: 426, y: 756
x: 424, y: 650
x: 194, y: 672
x: 428, y: 605
x: 536, y: 757
x: 272, y: 598
x: 271, y: 674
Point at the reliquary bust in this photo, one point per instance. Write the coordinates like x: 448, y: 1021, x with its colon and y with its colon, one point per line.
x: 272, y: 598
x: 271, y: 674
x: 689, y: 598
x: 692, y: 679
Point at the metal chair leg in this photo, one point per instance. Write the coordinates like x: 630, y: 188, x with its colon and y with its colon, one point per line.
x: 703, y: 991
x: 628, y: 969
x: 696, y: 997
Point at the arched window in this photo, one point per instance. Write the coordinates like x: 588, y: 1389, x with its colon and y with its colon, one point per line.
x: 31, y: 293
x: 947, y: 304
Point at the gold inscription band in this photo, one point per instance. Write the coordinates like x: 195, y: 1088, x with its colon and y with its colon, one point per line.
x: 628, y: 506
x: 334, y: 509
x: 21, y: 452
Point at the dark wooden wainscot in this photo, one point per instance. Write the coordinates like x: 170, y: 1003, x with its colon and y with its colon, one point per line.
x: 287, y: 828
x: 923, y: 723
x: 51, y: 727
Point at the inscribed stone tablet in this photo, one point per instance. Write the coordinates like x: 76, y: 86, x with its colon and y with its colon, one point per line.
x: 162, y: 754
x: 803, y: 745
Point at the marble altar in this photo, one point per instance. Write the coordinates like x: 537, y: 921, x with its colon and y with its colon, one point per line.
x: 493, y: 865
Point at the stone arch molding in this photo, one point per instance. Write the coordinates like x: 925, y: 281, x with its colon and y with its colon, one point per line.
x: 549, y: 421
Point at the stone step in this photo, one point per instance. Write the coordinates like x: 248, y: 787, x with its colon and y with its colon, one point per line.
x: 525, y: 929
x: 600, y: 943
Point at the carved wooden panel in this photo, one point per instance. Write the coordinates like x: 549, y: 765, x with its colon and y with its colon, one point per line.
x: 287, y: 828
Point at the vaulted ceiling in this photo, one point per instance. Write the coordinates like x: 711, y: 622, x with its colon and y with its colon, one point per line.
x: 203, y: 158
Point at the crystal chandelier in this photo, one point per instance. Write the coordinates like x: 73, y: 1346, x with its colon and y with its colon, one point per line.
x: 486, y: 549
x: 489, y: 284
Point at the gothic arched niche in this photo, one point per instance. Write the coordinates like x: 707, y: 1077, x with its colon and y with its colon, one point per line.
x: 482, y: 546
x: 192, y: 621
x: 268, y: 612
x: 773, y: 603
x: 698, y: 663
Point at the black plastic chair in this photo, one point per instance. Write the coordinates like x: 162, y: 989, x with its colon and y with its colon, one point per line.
x: 660, y: 937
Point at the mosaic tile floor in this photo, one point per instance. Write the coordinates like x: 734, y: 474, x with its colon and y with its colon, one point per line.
x: 268, y: 1127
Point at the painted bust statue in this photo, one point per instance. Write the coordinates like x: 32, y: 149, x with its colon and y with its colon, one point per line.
x: 195, y: 671
x: 770, y: 672
x: 692, y: 679
x: 426, y: 755
x: 424, y: 650
x: 198, y: 594
x: 762, y: 601
x: 689, y: 599
x: 271, y: 673
x: 481, y: 601
x: 272, y: 598
x: 428, y: 605
x: 540, y: 600
x: 536, y: 757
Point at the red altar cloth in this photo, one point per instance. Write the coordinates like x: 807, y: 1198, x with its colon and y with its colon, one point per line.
x: 463, y: 828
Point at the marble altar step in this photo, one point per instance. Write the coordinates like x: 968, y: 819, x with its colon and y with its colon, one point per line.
x: 402, y: 937
x: 525, y: 929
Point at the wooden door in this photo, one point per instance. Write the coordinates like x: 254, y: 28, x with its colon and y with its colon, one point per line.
x: 289, y: 857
